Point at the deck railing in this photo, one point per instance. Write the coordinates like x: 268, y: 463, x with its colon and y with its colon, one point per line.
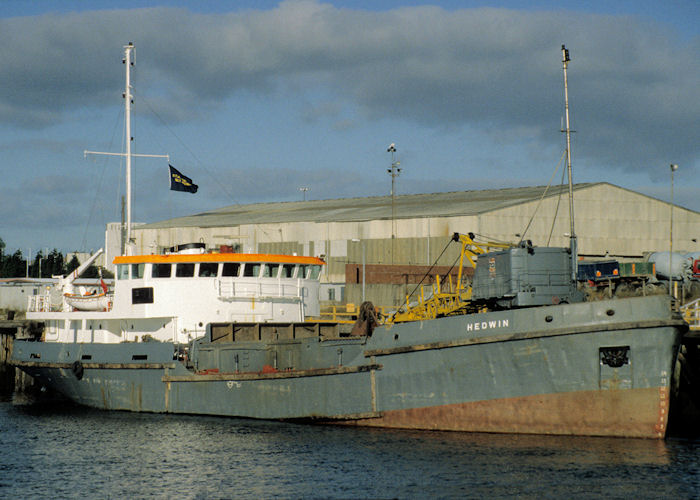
x: 691, y: 313
x: 40, y: 303
x: 255, y: 288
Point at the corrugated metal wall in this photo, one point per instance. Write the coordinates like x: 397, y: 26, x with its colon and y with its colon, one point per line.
x: 608, y: 219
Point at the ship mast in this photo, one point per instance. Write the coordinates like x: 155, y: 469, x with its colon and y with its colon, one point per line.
x: 127, y: 123
x: 572, y: 233
x: 128, y: 99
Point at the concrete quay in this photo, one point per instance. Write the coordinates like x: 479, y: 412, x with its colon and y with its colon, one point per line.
x: 13, y: 380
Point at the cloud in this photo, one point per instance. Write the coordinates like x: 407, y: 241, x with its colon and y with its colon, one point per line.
x: 633, y: 87
x: 492, y: 74
x: 283, y: 184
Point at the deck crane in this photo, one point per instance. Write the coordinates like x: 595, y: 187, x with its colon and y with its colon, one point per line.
x: 456, y: 299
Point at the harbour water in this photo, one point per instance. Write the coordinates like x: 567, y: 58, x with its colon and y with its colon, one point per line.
x: 57, y: 450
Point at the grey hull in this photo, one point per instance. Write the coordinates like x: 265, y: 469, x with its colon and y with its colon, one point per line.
x: 596, y: 368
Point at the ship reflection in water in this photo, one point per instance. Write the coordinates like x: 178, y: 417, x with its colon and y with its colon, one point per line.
x: 67, y: 451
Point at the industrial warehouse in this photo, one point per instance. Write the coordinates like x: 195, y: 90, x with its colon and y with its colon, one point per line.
x: 379, y: 248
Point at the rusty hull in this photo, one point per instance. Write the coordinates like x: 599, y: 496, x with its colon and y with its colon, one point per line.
x: 636, y: 413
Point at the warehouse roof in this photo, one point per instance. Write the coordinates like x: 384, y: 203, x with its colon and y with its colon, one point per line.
x: 407, y: 206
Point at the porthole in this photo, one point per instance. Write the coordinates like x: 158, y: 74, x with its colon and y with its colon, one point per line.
x: 610, y: 312
x: 548, y: 318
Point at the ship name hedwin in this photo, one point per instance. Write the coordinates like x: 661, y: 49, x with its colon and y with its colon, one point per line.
x: 487, y: 325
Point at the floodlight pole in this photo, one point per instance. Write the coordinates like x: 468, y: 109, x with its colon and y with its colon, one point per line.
x: 674, y: 167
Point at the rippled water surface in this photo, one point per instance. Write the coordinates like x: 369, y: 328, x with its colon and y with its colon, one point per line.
x: 58, y: 451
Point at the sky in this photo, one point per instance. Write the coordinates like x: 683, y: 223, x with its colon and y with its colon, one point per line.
x: 256, y: 99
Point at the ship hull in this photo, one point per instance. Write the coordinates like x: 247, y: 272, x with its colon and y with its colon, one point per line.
x: 600, y: 368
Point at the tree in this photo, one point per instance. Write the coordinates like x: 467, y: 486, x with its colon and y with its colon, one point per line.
x: 53, y: 265
x: 91, y: 272
x: 35, y: 266
x: 72, y: 265
x: 13, y: 266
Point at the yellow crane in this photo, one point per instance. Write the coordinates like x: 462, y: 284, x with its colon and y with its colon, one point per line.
x: 457, y: 298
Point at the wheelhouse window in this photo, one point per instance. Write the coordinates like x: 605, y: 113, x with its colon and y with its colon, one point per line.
x: 230, y: 269
x: 208, y: 269
x: 303, y: 271
x: 137, y: 271
x: 122, y: 271
x: 142, y: 295
x: 252, y: 269
x: 314, y: 272
x: 307, y: 271
x: 287, y: 271
x: 184, y: 270
x: 271, y: 270
x: 161, y: 271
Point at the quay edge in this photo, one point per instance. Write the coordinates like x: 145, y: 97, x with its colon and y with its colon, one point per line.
x: 13, y: 380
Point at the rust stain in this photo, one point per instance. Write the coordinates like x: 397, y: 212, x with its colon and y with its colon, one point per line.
x: 136, y: 394
x: 373, y: 386
x: 639, y: 413
x: 528, y: 350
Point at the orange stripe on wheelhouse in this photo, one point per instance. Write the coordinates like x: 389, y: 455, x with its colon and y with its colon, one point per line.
x: 217, y: 257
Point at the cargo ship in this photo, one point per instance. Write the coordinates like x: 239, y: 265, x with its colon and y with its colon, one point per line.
x: 210, y: 338
x: 195, y: 330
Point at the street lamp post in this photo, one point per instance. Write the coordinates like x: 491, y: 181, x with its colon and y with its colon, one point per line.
x: 674, y: 167
x: 394, y: 171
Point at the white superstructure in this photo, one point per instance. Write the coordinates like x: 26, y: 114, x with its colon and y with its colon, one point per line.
x: 172, y: 297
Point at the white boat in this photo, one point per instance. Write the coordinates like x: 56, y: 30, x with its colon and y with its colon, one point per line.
x: 89, y: 301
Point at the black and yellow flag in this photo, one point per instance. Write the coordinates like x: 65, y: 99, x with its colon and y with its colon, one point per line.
x: 179, y: 182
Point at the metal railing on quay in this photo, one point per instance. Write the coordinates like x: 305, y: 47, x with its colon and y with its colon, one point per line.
x: 691, y: 314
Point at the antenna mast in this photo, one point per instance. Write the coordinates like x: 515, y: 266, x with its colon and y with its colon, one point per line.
x: 572, y: 232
